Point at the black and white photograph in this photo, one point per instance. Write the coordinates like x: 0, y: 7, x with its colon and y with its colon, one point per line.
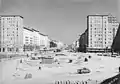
x: 59, y: 41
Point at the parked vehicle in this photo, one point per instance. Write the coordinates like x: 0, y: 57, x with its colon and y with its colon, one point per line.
x: 35, y: 56
x: 114, y: 55
x: 83, y: 71
x: 105, y: 54
x: 60, y: 54
x: 100, y: 54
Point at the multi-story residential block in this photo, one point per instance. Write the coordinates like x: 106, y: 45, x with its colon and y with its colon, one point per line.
x: 112, y: 30
x: 44, y: 41
x: 28, y: 39
x: 83, y: 41
x: 11, y: 33
x: 101, y: 31
x: 34, y: 40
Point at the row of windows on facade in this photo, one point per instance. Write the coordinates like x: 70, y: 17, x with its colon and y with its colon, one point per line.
x: 10, y: 28
x: 100, y: 35
x: 100, y: 28
x: 35, y: 38
x: 97, y: 28
x: 11, y: 25
x: 10, y: 22
x: 98, y: 21
x: 98, y: 25
x: 9, y: 34
x: 26, y: 37
x: 102, y: 22
x: 104, y: 18
x: 95, y: 45
x: 27, y: 41
x: 99, y: 39
x: 97, y: 32
x: 98, y: 45
x: 98, y: 17
x: 99, y: 42
x: 10, y: 18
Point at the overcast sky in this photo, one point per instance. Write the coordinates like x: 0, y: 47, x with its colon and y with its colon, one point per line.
x: 62, y: 20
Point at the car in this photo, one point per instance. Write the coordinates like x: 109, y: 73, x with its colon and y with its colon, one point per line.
x: 60, y: 54
x: 113, y: 55
x: 99, y: 54
x: 83, y: 71
x: 35, y: 56
x: 105, y: 54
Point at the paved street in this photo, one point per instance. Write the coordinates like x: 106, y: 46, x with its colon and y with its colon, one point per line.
x: 101, y: 68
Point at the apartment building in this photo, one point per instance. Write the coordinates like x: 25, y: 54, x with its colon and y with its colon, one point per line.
x: 44, y: 41
x: 101, y: 31
x: 11, y: 33
x: 83, y: 41
x: 27, y: 39
x: 34, y: 40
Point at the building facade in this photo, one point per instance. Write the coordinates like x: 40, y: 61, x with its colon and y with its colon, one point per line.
x: 11, y: 33
x: 28, y: 39
x: 34, y: 40
x: 101, y: 31
x: 44, y: 41
x: 83, y: 41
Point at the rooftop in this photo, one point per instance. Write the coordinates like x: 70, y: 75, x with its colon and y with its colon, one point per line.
x: 34, y: 30
x: 27, y: 28
x: 11, y: 16
x: 42, y: 34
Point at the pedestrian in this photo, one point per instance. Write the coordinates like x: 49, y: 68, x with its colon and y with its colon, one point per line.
x: 20, y: 60
x: 17, y: 69
x: 39, y: 66
x: 27, y: 55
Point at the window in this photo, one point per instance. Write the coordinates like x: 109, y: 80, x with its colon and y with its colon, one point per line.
x: 26, y: 39
x: 91, y: 25
x: 26, y: 42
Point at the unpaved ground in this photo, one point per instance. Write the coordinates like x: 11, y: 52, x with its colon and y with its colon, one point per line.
x: 101, y: 68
